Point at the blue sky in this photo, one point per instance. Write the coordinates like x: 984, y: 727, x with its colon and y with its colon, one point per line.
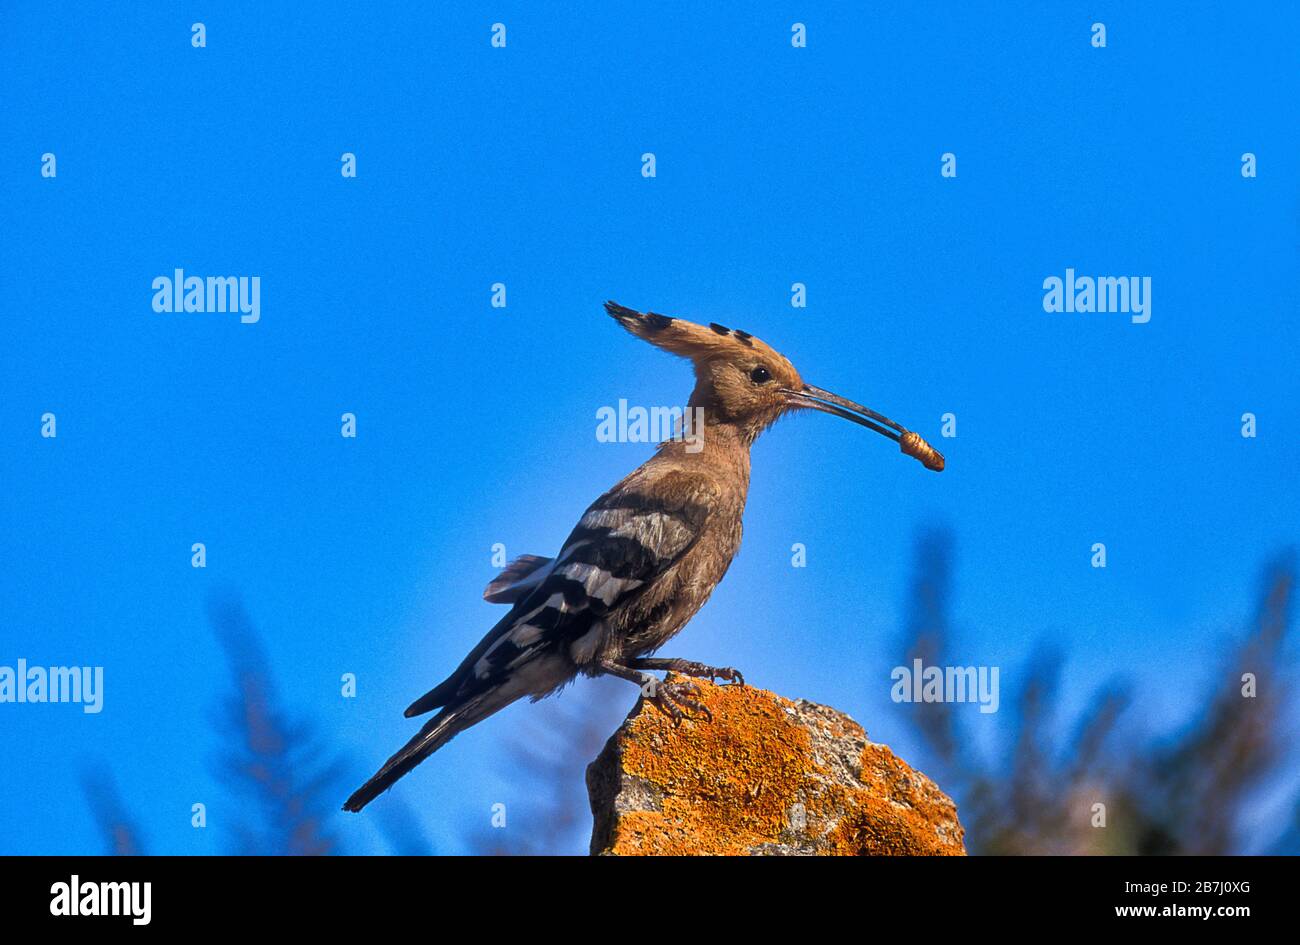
x: 477, y: 425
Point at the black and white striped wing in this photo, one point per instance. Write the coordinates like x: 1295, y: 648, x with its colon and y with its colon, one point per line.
x: 623, y: 543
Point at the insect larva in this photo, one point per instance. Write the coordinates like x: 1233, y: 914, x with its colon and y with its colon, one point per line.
x: 912, y: 444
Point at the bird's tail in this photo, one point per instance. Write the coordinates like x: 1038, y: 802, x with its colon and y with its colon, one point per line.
x: 436, y: 732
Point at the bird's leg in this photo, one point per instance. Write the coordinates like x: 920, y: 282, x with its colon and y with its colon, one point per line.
x: 667, y: 697
x: 644, y: 680
x: 689, y: 668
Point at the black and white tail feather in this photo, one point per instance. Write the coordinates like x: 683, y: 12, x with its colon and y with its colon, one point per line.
x: 558, y: 623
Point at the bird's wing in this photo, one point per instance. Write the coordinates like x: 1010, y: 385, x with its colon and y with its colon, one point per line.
x: 625, y: 540
x: 519, y: 578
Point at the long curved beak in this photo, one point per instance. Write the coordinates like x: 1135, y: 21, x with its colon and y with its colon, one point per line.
x: 908, y: 442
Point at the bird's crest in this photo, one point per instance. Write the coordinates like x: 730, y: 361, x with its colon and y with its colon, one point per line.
x: 689, y: 340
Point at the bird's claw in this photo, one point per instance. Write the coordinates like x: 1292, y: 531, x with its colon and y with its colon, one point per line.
x: 729, y: 675
x: 700, y: 671
x: 670, y: 698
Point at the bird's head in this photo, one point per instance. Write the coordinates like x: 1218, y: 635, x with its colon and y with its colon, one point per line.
x: 746, y: 383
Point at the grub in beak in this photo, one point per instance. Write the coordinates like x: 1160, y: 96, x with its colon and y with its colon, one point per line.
x: 908, y: 442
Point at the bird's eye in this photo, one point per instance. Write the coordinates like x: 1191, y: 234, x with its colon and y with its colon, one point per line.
x: 760, y: 375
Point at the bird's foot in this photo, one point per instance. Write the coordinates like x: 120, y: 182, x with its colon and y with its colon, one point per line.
x: 691, y: 668
x: 725, y: 673
x: 671, y: 696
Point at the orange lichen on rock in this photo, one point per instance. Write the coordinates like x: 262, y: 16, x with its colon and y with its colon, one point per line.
x: 764, y: 776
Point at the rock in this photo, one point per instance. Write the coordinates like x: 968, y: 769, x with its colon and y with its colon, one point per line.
x: 766, y: 776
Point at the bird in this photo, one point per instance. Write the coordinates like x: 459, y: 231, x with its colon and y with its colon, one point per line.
x: 643, y: 558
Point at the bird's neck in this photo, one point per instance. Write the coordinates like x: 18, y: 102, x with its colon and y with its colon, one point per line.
x: 703, y: 407
x: 718, y: 447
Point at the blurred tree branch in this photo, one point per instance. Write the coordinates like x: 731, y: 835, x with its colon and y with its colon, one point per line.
x: 119, y: 830
x: 1182, y: 794
x: 271, y: 761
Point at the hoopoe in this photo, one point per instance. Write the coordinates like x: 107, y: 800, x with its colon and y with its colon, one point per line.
x: 643, y: 558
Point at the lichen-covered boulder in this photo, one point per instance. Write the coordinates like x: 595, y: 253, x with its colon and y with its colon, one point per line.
x: 765, y: 776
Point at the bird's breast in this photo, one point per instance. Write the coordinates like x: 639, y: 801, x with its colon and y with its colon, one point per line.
x: 665, y: 607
